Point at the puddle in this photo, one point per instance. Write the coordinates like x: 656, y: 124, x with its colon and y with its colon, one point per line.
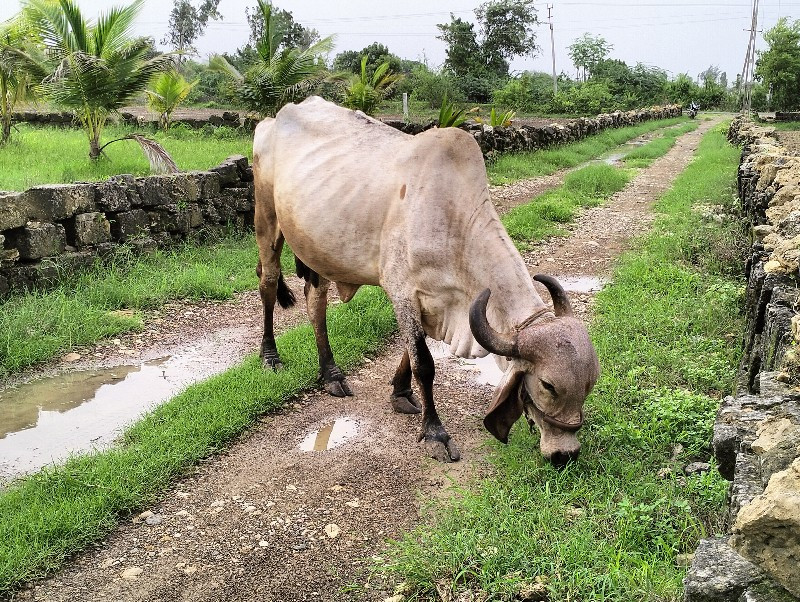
x: 582, y: 284
x: 331, y: 435
x: 484, y: 369
x: 47, y: 420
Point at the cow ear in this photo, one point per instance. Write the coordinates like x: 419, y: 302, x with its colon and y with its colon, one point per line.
x: 506, y: 406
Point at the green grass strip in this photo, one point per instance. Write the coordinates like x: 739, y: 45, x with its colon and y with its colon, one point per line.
x: 609, y: 528
x: 519, y: 166
x: 586, y: 187
x: 37, y: 326
x: 647, y: 153
x: 48, y: 516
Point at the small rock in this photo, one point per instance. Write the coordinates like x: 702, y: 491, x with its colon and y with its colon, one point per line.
x: 143, y: 516
x: 353, y: 504
x: 664, y: 472
x: 332, y: 530
x: 189, y: 570
x: 291, y: 488
x: 182, y: 513
x: 72, y: 357
x: 697, y: 468
x: 250, y: 509
x: 397, y: 598
x: 107, y: 563
x: 132, y: 572
x: 218, y: 503
x: 263, y: 543
x: 153, y: 520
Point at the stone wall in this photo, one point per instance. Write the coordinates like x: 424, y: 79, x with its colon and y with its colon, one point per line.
x: 492, y: 140
x: 48, y: 231
x: 757, y: 431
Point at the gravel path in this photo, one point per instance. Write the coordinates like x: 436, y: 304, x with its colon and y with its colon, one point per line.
x: 266, y: 521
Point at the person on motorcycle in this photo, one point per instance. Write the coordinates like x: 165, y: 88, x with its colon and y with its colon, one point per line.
x: 693, y: 108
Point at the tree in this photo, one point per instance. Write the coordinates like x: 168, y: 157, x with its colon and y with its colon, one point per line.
x: 22, y: 68
x: 294, y: 34
x: 587, y: 51
x: 376, y: 53
x: 505, y: 31
x: 169, y: 90
x: 101, y: 68
x: 281, y: 73
x: 187, y: 23
x: 779, y: 66
x: 366, y: 92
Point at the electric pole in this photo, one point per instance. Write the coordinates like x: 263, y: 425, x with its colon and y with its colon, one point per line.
x: 552, y: 47
x: 749, y: 63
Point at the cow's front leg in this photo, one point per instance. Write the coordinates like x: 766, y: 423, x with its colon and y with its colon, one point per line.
x: 437, y: 442
x: 404, y: 401
x: 317, y: 304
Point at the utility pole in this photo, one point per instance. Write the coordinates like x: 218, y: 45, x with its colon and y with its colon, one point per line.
x: 552, y: 47
x: 749, y: 63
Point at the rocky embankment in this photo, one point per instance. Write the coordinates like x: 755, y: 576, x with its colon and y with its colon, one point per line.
x: 757, y: 432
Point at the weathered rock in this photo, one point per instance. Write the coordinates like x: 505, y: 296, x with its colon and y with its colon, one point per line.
x: 166, y: 189
x: 12, y: 212
x: 767, y: 591
x: 40, y: 239
x: 88, y: 229
x: 777, y: 445
x: 59, y: 201
x: 130, y: 224
x: 113, y: 196
x: 768, y: 529
x: 719, y: 574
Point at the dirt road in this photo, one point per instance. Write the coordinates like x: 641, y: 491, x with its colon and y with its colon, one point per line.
x: 267, y: 521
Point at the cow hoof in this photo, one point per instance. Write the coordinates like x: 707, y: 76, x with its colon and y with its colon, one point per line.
x: 338, y: 388
x: 406, y: 403
x: 442, y: 452
x: 272, y: 363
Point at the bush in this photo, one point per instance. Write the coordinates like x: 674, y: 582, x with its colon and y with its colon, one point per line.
x: 432, y: 88
x: 529, y: 92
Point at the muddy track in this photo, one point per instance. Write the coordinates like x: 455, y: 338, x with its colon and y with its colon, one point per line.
x: 266, y: 521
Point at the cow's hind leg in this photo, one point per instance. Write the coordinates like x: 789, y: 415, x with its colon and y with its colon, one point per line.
x: 272, y: 288
x: 404, y: 401
x: 436, y: 439
x: 316, y: 290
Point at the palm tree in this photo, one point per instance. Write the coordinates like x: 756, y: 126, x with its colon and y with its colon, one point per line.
x: 169, y: 90
x: 366, y: 93
x: 280, y: 74
x: 101, y: 67
x: 22, y: 68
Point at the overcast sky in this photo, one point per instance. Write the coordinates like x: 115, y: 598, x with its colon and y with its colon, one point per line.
x: 677, y: 35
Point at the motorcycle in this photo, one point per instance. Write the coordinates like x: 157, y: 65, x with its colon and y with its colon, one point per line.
x: 693, y: 108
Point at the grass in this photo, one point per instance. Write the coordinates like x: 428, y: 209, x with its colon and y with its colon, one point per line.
x: 47, y: 155
x: 586, y: 187
x: 608, y: 527
x: 36, y: 326
x: 644, y: 155
x: 784, y: 126
x: 57, y: 511
x: 518, y: 166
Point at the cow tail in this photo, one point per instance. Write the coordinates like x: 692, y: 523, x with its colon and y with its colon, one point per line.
x: 286, y: 298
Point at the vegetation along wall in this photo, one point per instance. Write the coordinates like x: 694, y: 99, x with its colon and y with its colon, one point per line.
x: 757, y: 431
x: 49, y: 231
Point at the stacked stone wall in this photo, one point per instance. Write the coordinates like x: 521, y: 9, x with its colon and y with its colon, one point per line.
x: 757, y: 431
x: 49, y: 231
x: 492, y: 140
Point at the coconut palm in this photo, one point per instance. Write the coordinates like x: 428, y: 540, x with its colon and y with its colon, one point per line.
x: 22, y: 68
x: 169, y: 90
x: 366, y: 93
x: 101, y: 67
x: 281, y: 74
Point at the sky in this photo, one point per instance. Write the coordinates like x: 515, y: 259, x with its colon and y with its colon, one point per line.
x: 679, y: 36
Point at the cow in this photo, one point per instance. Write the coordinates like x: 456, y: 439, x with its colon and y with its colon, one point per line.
x: 361, y: 203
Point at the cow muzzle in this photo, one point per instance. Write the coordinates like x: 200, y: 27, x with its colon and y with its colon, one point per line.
x: 558, y: 440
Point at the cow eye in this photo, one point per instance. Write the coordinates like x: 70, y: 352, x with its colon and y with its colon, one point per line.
x: 550, y: 388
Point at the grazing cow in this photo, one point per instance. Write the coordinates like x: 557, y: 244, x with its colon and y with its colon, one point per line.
x: 362, y: 203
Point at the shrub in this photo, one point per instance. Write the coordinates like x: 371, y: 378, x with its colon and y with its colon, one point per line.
x: 432, y: 88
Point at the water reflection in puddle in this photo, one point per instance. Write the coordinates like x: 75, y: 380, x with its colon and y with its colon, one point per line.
x: 329, y: 436
x: 582, y: 284
x: 47, y: 420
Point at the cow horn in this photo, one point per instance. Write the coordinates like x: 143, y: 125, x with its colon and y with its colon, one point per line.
x: 491, y: 340
x: 560, y: 299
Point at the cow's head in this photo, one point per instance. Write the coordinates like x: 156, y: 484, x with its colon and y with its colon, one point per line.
x: 552, y: 368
